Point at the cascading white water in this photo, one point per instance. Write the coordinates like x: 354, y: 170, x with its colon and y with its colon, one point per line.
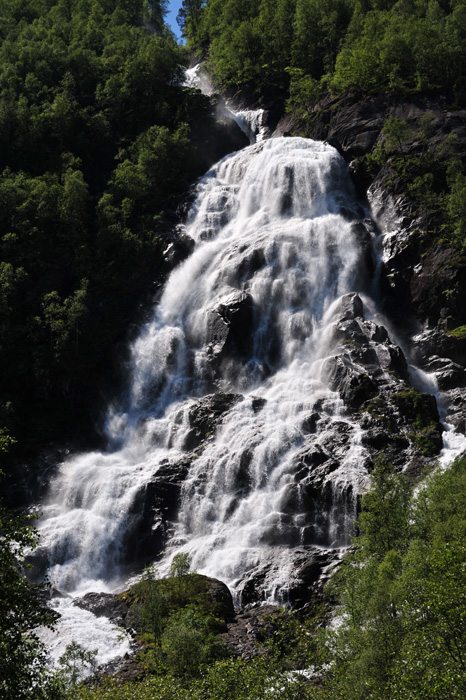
x: 266, y: 223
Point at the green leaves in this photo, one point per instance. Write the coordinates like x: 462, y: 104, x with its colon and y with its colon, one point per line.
x: 402, y: 591
x: 75, y: 664
x: 23, y: 671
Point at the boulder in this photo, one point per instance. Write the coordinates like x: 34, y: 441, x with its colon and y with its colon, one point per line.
x: 230, y: 326
x: 205, y: 415
x: 250, y: 629
x: 105, y: 605
x: 220, y: 594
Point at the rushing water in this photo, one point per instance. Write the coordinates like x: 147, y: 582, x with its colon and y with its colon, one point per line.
x: 271, y: 223
x: 275, y: 243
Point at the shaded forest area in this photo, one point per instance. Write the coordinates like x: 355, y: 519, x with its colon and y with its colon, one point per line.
x: 98, y: 142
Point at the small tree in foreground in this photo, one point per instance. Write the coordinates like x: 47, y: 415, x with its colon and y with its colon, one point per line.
x: 23, y: 668
x: 75, y: 664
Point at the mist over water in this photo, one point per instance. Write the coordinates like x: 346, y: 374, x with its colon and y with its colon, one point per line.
x: 274, y: 234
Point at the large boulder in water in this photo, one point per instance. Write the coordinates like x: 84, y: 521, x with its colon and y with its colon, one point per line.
x: 230, y: 326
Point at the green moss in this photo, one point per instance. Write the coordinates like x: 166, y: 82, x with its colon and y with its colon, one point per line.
x: 419, y: 409
x: 377, y: 408
x: 459, y: 332
x: 423, y: 440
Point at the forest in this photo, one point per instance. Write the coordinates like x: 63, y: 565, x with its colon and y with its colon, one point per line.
x: 100, y: 142
x: 97, y: 149
x: 294, y: 46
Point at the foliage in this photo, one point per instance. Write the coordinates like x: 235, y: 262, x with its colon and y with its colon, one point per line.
x: 180, y: 565
x: 152, y: 605
x: 403, y: 629
x: 459, y: 332
x: 372, y: 46
x: 456, y: 209
x: 179, y: 621
x: 227, y: 679
x: 96, y: 147
x: 75, y: 664
x: 395, y: 132
x: 23, y: 670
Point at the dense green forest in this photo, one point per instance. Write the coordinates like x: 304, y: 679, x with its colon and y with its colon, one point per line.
x: 96, y: 147
x: 292, y: 45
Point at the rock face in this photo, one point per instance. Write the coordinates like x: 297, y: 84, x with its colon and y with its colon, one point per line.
x: 422, y: 279
x: 250, y: 629
x: 105, y: 605
x: 230, y: 327
x: 156, y: 506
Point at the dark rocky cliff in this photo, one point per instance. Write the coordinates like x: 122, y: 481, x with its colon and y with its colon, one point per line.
x: 423, y: 274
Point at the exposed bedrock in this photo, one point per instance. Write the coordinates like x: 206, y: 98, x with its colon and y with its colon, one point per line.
x: 419, y: 270
x: 230, y: 327
x: 156, y: 505
x: 380, y: 411
x: 305, y: 571
x: 371, y: 374
x: 423, y: 280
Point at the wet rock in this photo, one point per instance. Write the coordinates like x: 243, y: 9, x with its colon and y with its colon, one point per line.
x: 311, y: 567
x: 457, y: 409
x: 155, y: 507
x: 205, y: 415
x: 106, y: 605
x: 377, y: 438
x: 38, y: 563
x: 285, y: 127
x: 449, y: 374
x: 312, y: 456
x: 354, y: 386
x: 230, y: 325
x: 258, y: 404
x: 348, y: 307
x: 309, y: 423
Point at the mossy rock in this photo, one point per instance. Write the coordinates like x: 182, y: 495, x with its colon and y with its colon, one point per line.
x: 361, y: 389
x: 428, y: 441
x: 419, y: 409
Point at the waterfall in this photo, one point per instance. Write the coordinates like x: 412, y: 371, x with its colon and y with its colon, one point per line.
x: 245, y: 326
